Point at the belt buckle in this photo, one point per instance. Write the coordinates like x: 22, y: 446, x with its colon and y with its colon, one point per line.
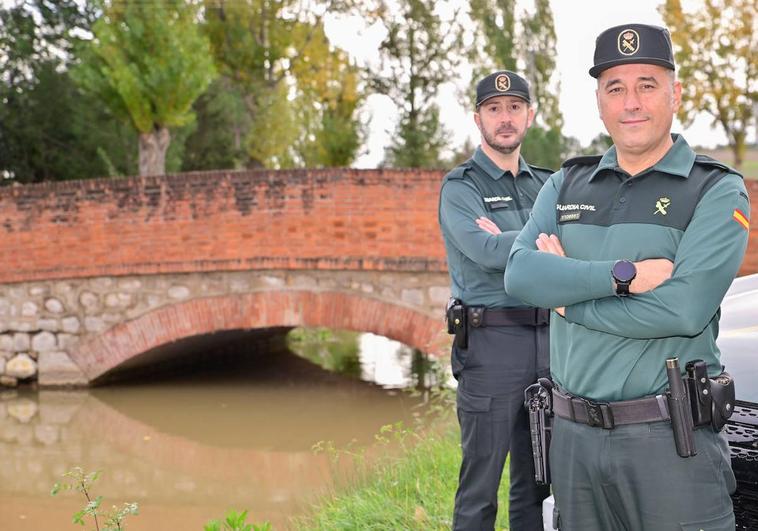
x: 599, y: 414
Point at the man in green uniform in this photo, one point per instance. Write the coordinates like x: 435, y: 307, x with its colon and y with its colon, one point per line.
x: 635, y: 250
x: 503, y: 348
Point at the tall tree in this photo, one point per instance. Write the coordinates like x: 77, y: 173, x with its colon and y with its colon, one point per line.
x: 329, y: 98
x: 716, y: 56
x: 418, y: 55
x: 148, y: 62
x: 538, y: 49
x: 295, y: 85
x: 493, y: 46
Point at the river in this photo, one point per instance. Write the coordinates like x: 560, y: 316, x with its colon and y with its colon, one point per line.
x: 189, y: 447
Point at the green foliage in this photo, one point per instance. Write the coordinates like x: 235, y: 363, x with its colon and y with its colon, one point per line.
x: 336, y: 351
x: 539, y: 54
x: 493, y: 46
x: 48, y: 129
x: 274, y: 129
x: 148, y: 62
x: 419, y: 140
x: 82, y: 482
x: 301, y: 94
x: 331, y: 132
x: 218, y: 140
x: 235, y: 521
x: 543, y: 147
x: 715, y: 51
x: 411, y: 486
x: 417, y: 55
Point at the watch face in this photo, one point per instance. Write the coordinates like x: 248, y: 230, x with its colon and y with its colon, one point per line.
x: 624, y: 271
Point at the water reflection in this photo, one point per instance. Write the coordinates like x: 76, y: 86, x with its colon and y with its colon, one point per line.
x: 373, y: 358
x: 189, y: 448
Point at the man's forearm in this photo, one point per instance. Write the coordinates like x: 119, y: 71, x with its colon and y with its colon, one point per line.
x: 550, y: 281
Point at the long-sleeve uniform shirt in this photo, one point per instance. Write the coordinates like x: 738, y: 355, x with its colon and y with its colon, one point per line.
x: 476, y: 259
x: 686, y: 208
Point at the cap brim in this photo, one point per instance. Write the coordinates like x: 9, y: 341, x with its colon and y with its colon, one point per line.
x: 596, y: 70
x: 521, y: 95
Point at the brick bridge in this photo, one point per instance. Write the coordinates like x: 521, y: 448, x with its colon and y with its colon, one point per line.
x: 104, y: 275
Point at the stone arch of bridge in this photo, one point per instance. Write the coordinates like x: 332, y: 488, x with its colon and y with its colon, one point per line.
x: 265, y: 309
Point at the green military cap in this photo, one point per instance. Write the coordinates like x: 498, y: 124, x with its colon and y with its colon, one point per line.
x: 502, y: 83
x: 633, y: 43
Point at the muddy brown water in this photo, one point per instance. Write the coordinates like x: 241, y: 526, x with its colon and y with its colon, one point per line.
x: 189, y: 448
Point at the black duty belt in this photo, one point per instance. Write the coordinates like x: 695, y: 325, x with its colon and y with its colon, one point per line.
x: 479, y: 316
x: 607, y: 415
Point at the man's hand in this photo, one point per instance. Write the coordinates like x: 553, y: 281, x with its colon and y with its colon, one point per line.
x: 551, y: 244
x: 488, y: 225
x: 651, y: 274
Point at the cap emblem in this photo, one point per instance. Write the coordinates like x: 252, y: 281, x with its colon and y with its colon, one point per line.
x: 628, y: 42
x: 503, y: 83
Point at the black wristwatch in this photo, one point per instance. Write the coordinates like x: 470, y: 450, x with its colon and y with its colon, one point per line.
x: 623, y: 273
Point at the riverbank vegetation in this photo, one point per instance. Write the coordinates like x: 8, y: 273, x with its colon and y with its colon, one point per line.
x: 410, y: 486
x: 112, y: 519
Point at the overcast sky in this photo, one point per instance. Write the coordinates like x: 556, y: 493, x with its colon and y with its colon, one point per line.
x: 577, y: 24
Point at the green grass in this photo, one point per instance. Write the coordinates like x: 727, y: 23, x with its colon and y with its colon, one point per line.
x: 410, y: 490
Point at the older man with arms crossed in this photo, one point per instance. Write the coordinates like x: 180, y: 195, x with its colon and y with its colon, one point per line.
x: 635, y: 251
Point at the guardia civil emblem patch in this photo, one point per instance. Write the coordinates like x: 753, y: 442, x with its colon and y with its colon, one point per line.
x: 662, y: 205
x: 628, y: 42
x: 502, y: 83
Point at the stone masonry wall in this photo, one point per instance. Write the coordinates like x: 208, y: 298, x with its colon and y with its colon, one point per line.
x: 42, y: 323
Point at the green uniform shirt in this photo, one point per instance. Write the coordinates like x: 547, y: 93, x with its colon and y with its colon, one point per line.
x: 683, y: 209
x: 475, y: 258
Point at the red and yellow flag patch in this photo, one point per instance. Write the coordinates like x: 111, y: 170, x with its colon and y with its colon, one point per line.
x: 741, y: 218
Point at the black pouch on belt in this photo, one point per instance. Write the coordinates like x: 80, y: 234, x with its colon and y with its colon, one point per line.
x: 457, y: 322
x: 711, y: 399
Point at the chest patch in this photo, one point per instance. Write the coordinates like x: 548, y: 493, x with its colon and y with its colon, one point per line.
x: 570, y: 216
x: 497, y: 201
x: 573, y: 207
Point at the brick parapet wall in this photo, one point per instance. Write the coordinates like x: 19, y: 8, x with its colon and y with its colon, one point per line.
x: 332, y: 219
x: 215, y: 221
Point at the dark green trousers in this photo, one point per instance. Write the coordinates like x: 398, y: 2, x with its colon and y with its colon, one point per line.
x: 492, y: 375
x: 631, y: 478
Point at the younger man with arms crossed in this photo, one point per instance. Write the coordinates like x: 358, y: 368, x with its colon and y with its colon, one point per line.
x: 507, y: 341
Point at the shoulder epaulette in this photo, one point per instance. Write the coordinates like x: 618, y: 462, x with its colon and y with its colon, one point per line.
x: 532, y: 166
x: 459, y: 171
x: 705, y: 160
x: 586, y: 160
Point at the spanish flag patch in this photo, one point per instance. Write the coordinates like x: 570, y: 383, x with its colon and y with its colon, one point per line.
x: 740, y: 218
